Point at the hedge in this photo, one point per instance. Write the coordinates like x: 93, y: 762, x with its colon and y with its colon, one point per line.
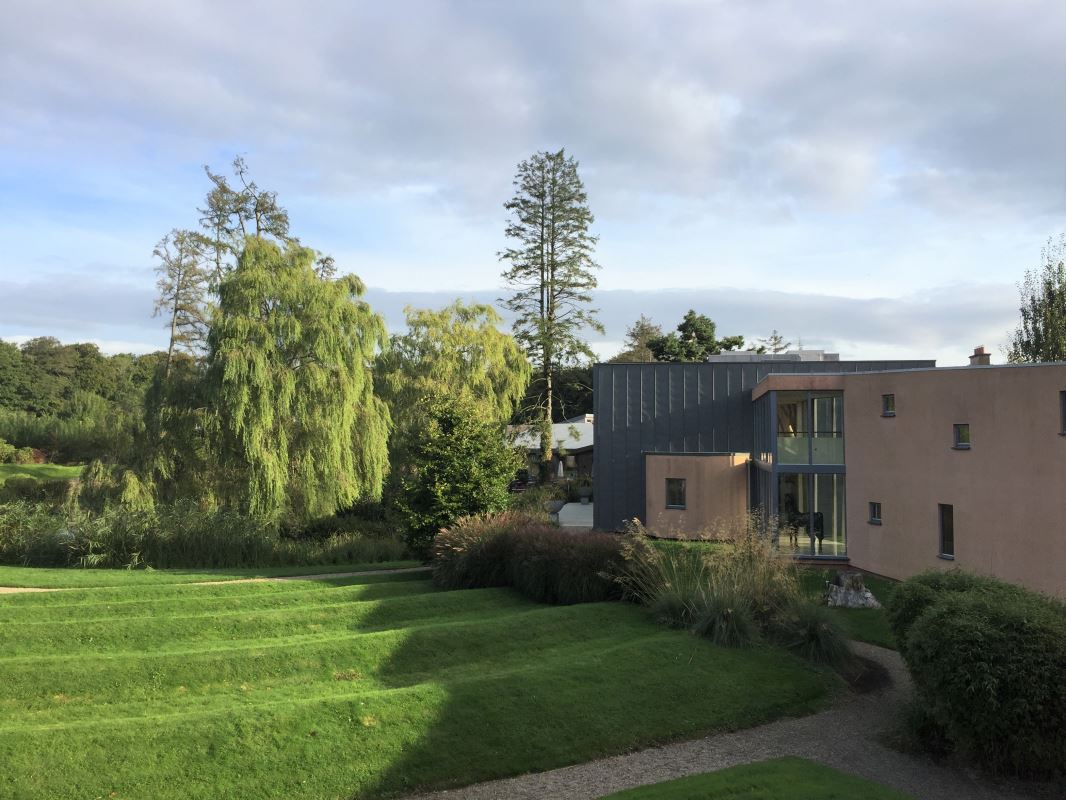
x: 543, y: 562
x: 988, y: 661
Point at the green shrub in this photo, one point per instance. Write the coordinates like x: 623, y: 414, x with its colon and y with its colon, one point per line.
x: 7, y: 452
x: 811, y: 631
x: 916, y: 594
x: 455, y: 463
x: 33, y: 490
x: 24, y: 455
x: 989, y: 669
x: 545, y: 563
x: 181, y: 535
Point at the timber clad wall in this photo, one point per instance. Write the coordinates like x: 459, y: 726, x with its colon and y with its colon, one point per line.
x: 679, y: 408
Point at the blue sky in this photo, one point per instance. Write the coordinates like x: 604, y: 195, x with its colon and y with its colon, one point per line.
x: 871, y: 178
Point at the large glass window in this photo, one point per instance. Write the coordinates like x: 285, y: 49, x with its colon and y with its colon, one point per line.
x: 793, y: 428
x: 811, y: 514
x: 828, y: 429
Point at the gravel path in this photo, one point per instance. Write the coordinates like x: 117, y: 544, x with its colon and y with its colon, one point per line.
x: 844, y: 736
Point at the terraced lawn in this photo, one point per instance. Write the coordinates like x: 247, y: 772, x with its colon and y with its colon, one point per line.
x: 354, y: 687
x: 779, y: 779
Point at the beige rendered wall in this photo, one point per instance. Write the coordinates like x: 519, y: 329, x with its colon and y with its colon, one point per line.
x: 1008, y: 490
x: 716, y: 490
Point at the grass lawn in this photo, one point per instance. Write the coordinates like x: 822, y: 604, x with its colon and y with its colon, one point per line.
x: 41, y: 472
x: 72, y: 578
x: 348, y: 688
x: 863, y: 624
x: 780, y: 779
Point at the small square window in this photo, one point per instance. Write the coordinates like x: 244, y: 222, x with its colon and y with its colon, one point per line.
x: 875, y: 513
x: 888, y: 405
x: 947, y: 530
x: 675, y: 493
x: 961, y: 440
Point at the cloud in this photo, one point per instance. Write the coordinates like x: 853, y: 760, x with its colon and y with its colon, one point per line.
x: 831, y: 103
x: 945, y: 323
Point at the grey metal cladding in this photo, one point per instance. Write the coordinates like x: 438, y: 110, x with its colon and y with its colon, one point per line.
x: 680, y: 408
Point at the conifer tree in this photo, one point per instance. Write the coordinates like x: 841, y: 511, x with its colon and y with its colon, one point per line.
x: 182, y: 297
x: 551, y: 272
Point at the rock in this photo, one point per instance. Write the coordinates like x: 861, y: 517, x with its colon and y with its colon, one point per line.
x: 848, y: 590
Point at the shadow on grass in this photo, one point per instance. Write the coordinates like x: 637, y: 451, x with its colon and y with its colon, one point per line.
x: 617, y: 683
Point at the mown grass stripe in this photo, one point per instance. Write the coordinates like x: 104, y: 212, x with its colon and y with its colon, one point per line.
x: 77, y: 638
x: 208, y: 606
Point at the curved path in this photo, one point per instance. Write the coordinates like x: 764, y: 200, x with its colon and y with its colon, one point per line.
x: 845, y: 736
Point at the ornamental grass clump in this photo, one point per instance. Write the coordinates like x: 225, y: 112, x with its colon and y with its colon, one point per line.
x: 734, y: 594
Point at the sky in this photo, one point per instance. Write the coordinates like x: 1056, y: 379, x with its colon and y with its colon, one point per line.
x: 869, y: 178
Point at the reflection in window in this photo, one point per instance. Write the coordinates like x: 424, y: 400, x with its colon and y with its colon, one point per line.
x: 675, y: 493
x: 792, y: 428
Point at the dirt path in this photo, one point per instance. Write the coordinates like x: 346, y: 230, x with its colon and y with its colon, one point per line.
x: 321, y: 576
x: 846, y: 736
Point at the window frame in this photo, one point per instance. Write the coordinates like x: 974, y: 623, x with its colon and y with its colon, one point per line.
x: 684, y: 494
x: 956, y: 440
x: 1062, y: 413
x: 888, y: 405
x: 875, y: 512
x: 941, y: 551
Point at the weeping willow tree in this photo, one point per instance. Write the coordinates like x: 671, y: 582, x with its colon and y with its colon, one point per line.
x: 289, y: 375
x: 459, y: 350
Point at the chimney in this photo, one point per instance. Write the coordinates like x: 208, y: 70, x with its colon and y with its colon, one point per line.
x: 980, y: 357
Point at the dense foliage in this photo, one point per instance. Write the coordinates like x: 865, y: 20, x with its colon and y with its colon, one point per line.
x: 987, y: 660
x: 69, y: 400
x: 458, y: 350
x: 1041, y: 333
x: 169, y: 536
x: 457, y: 464
x: 545, y: 563
x: 289, y: 372
x: 695, y: 339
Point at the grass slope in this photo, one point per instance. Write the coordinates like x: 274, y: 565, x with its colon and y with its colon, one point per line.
x: 41, y: 472
x: 779, y: 779
x: 356, y: 687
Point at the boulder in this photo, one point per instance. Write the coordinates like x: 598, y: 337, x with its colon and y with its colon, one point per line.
x: 848, y: 590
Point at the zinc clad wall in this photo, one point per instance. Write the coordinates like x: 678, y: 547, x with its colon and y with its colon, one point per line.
x: 679, y: 408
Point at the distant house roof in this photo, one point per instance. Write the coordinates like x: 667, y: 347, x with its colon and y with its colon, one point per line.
x: 574, y: 435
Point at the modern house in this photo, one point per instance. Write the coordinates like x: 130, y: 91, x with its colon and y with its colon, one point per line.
x: 892, y: 466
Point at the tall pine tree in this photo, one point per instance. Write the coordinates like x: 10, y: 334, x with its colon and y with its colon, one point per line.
x: 551, y: 272
x: 182, y: 298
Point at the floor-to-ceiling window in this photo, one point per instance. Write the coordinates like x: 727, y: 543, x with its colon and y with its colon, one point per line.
x: 806, y: 472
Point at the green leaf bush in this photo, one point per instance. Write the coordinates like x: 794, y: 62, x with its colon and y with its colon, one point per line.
x: 989, y: 666
x: 543, y: 562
